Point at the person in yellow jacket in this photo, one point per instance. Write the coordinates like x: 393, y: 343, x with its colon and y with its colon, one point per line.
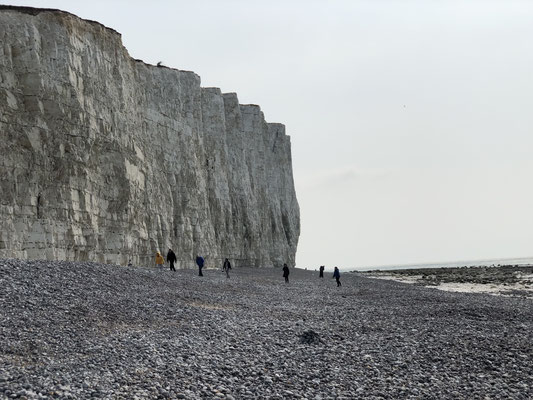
x: 159, y: 260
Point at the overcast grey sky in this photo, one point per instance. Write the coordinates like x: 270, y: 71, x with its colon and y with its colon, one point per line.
x: 411, y: 121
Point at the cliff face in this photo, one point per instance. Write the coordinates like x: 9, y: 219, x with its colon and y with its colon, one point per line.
x: 105, y: 158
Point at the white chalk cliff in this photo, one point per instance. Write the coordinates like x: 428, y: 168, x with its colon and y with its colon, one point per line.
x: 106, y: 158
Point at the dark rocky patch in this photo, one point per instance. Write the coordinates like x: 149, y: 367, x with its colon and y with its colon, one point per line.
x: 310, y: 337
x: 500, y: 274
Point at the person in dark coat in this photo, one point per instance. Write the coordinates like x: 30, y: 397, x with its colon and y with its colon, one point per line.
x: 286, y: 273
x: 171, y: 258
x: 337, y: 276
x: 200, y: 263
x: 226, y: 267
x: 321, y: 271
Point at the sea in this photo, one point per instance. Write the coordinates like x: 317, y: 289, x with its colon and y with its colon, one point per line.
x: 452, y: 264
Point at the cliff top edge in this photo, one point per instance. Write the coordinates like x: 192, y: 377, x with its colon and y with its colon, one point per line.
x: 37, y: 11
x: 34, y: 11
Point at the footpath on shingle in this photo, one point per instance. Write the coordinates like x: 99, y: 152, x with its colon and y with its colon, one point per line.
x: 82, y: 330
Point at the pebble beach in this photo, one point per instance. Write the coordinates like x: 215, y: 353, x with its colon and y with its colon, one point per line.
x: 87, y: 330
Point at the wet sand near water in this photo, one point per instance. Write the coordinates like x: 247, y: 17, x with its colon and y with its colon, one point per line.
x: 504, y: 280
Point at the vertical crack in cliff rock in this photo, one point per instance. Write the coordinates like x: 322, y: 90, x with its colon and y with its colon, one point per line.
x: 106, y: 158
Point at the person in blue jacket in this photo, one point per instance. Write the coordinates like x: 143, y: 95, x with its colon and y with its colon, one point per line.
x: 337, y: 276
x: 200, y: 263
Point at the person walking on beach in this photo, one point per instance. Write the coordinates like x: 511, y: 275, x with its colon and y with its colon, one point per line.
x: 321, y: 269
x: 337, y: 276
x: 171, y: 258
x: 286, y: 273
x: 226, y: 267
x: 200, y: 262
x: 159, y: 260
